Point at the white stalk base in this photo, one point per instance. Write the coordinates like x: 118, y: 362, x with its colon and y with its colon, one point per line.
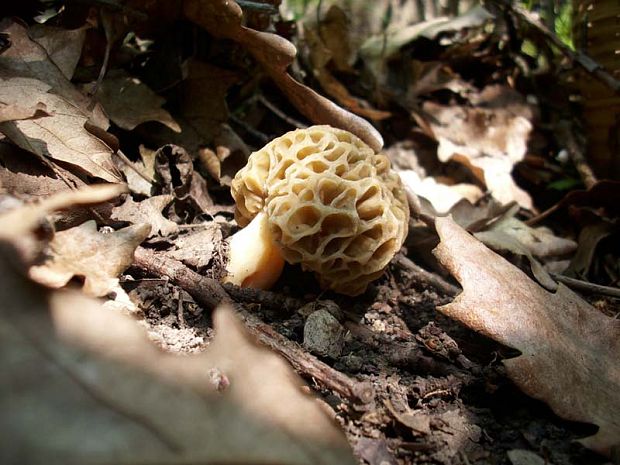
x: 254, y: 260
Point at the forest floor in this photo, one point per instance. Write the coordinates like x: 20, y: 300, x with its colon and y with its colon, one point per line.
x: 159, y: 110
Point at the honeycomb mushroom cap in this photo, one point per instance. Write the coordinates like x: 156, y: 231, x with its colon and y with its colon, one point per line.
x: 334, y: 205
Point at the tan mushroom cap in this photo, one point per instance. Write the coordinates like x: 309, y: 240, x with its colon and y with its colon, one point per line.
x: 333, y: 205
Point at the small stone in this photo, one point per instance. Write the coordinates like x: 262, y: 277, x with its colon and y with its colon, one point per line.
x: 323, y: 334
x: 353, y: 363
x: 329, y: 305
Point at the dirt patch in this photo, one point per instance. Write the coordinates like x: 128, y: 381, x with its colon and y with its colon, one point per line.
x: 440, y: 394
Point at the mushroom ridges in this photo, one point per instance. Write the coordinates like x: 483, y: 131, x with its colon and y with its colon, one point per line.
x: 333, y: 205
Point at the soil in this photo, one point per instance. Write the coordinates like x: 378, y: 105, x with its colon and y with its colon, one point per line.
x: 441, y: 394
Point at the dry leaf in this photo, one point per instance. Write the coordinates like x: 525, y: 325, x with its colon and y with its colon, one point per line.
x: 330, y: 42
x: 84, y: 385
x: 83, y: 251
x: 140, y: 176
x: 223, y: 18
x: 381, y: 46
x: 417, y: 421
x: 570, y: 351
x: 17, y: 223
x: 203, y: 99
x: 231, y: 154
x: 63, y: 46
x: 501, y: 242
x: 149, y: 212
x: 24, y: 175
x: 334, y: 88
x: 375, y: 451
x: 525, y: 457
x: 589, y: 238
x: 441, y: 196
x: 487, y: 140
x: 427, y: 77
x: 196, y: 248
x: 129, y: 102
x: 475, y: 218
x: 508, y: 234
x: 28, y: 59
x: 60, y: 136
x: 602, y: 196
x: 540, y: 242
x: 16, y: 112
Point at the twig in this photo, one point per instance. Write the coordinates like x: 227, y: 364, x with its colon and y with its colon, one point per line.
x: 580, y: 58
x: 275, y: 110
x: 106, y: 21
x: 262, y: 137
x: 585, y: 286
x: 134, y: 168
x: 210, y: 293
x: 579, y: 160
x: 426, y: 276
x: 308, y: 365
x: 415, y: 209
x: 541, y: 216
x: 259, y: 296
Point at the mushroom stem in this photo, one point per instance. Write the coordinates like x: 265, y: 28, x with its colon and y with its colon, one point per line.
x: 254, y: 259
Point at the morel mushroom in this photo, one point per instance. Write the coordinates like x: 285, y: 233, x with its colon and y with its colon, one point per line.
x: 322, y: 198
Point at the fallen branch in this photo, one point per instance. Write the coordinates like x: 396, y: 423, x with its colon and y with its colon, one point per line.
x: 259, y: 296
x: 210, y: 293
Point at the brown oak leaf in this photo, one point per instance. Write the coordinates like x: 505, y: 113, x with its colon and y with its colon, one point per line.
x: 147, y: 211
x: 569, y: 350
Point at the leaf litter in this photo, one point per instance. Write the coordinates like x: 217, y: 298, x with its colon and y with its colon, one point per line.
x: 85, y: 252
x: 236, y: 396
x: 564, y: 342
x: 148, y: 211
x: 454, y: 116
